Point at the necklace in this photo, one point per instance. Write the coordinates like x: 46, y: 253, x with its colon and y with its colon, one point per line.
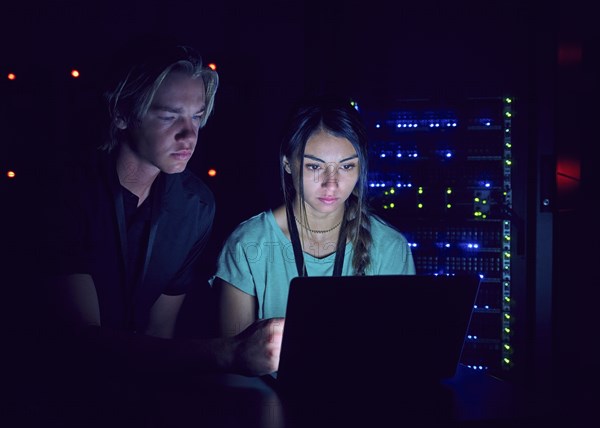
x: 318, y: 231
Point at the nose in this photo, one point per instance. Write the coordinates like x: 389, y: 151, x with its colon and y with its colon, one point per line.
x: 330, y: 178
x: 188, y: 131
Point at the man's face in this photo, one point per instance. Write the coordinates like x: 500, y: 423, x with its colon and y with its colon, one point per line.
x: 167, y: 135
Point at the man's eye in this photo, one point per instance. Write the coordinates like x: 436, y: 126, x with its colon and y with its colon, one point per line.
x: 166, y: 118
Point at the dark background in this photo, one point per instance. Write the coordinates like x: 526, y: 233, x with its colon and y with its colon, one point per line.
x: 268, y: 53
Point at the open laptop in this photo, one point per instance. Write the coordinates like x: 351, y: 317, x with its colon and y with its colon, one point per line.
x: 354, y: 333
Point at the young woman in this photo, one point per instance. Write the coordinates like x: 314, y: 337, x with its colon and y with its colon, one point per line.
x: 323, y: 228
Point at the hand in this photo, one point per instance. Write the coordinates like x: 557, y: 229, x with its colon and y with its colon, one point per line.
x: 257, y: 348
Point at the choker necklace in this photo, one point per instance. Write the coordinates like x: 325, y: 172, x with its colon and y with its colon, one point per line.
x: 318, y: 231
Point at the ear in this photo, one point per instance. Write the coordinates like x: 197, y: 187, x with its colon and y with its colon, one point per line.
x: 120, y: 123
x: 286, y: 165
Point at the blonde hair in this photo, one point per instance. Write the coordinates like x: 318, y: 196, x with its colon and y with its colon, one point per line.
x: 131, y: 98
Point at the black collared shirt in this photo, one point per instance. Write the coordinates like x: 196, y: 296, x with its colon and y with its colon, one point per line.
x: 133, y: 254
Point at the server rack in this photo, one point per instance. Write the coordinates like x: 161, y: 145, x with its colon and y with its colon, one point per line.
x: 441, y: 172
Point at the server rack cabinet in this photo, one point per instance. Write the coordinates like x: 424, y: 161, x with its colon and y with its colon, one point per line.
x: 441, y: 172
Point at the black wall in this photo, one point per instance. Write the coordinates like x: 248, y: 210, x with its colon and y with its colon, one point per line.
x: 268, y: 54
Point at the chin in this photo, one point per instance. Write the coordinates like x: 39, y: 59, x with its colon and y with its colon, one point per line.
x: 174, y: 169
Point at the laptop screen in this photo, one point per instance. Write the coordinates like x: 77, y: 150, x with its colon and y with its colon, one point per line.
x: 354, y: 331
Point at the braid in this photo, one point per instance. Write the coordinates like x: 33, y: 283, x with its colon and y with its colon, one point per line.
x: 359, y: 232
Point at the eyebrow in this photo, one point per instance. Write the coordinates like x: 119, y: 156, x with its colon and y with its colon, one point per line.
x: 321, y: 160
x: 159, y: 107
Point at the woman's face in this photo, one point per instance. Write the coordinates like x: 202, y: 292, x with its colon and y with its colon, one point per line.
x: 331, y: 171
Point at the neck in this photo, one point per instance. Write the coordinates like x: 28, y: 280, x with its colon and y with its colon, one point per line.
x: 134, y: 174
x: 325, y: 225
x: 319, y: 231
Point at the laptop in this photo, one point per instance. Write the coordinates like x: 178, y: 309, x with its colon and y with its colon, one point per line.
x: 352, y: 334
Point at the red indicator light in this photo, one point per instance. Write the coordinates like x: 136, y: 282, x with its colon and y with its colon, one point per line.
x: 212, y: 172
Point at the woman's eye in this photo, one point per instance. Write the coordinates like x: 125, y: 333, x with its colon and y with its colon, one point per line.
x: 312, y: 166
x: 348, y: 166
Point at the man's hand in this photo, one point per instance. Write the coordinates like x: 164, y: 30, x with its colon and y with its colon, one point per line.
x: 257, y: 348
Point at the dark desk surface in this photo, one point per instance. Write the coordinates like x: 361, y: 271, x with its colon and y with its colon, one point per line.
x: 471, y: 399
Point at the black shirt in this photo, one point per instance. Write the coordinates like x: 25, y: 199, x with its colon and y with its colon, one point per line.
x: 133, y: 254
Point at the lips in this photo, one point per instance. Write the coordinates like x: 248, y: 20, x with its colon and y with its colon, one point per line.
x: 328, y: 200
x: 182, y: 154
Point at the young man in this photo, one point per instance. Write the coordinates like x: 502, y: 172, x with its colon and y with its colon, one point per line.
x: 133, y: 224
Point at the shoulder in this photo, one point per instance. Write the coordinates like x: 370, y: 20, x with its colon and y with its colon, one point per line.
x: 255, y: 229
x: 382, y: 230
x: 83, y: 178
x: 255, y: 225
x: 192, y: 186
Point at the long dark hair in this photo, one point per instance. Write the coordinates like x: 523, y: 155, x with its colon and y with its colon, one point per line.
x: 338, y: 117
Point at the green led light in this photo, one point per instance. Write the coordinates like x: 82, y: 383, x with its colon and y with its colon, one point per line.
x: 420, y: 205
x: 392, y: 205
x: 506, y: 360
x: 507, y: 346
x: 385, y: 207
x: 508, y: 162
x: 508, y: 114
x: 392, y: 191
x: 448, y: 205
x: 508, y: 100
x: 507, y: 316
x: 449, y: 191
x: 476, y: 199
x: 507, y: 330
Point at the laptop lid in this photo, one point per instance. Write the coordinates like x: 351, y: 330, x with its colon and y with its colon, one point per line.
x: 349, y: 332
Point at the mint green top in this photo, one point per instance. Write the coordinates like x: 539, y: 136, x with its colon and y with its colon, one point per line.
x: 258, y: 259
